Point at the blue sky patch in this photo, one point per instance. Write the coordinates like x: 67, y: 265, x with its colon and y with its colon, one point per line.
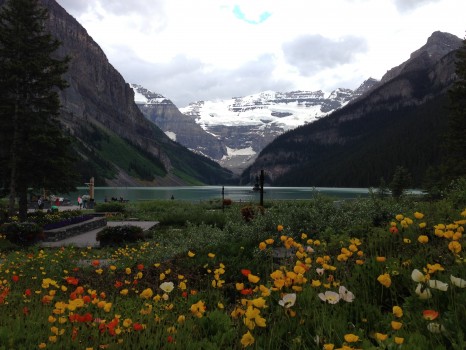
x: 242, y: 16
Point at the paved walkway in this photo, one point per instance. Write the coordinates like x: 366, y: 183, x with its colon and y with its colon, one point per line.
x: 87, y: 239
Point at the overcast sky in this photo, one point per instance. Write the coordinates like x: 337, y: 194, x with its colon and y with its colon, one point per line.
x: 190, y: 50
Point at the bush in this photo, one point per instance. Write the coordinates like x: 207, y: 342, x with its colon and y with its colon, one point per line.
x: 119, y: 235
x: 22, y: 233
x: 114, y: 207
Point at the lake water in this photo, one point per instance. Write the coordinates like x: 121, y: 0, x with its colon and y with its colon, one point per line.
x: 205, y: 193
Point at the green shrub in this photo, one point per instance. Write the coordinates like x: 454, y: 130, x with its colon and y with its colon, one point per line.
x: 119, y: 235
x: 22, y: 233
x: 114, y: 207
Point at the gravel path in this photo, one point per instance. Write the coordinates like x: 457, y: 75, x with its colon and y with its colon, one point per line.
x: 87, y: 239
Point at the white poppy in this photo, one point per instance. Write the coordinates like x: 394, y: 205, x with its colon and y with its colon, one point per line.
x: 345, y: 294
x: 288, y: 300
x: 423, y: 292
x: 458, y: 282
x: 330, y: 297
x: 435, y: 327
x: 435, y: 284
x: 417, y: 276
x: 167, y: 287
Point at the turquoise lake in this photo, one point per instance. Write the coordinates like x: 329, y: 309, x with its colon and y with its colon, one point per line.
x: 205, y: 193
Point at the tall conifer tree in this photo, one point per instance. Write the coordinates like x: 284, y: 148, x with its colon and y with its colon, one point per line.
x: 33, y: 150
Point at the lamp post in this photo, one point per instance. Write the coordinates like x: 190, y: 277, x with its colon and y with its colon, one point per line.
x: 261, y: 184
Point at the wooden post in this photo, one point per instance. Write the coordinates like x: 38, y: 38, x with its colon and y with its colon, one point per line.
x: 223, y: 198
x: 261, y: 181
x: 91, y: 188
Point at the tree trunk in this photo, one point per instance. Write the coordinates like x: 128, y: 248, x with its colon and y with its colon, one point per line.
x: 23, y: 204
x: 14, y: 160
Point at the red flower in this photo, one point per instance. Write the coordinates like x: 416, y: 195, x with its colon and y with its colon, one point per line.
x: 245, y: 272
x: 72, y: 280
x: 184, y: 294
x: 74, y: 333
x: 15, y: 278
x: 137, y: 326
x: 27, y: 292
x: 246, y: 291
x: 87, y: 299
x: 140, y: 267
x: 87, y: 317
x: 25, y: 311
x: 118, y: 284
x: 430, y: 314
x: 95, y: 263
x: 170, y: 339
x: 393, y: 229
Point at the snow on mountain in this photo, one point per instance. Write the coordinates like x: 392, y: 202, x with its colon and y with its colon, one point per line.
x: 245, y: 125
x: 264, y: 110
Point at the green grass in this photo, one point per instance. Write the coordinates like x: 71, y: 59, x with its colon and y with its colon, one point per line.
x: 319, y: 234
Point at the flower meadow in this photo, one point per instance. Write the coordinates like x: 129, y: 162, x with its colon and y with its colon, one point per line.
x: 396, y: 283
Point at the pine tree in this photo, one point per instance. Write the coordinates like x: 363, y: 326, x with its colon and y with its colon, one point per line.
x: 34, y: 151
x: 400, y: 182
x: 456, y: 135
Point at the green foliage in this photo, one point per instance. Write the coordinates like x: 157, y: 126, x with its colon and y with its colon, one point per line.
x: 22, y: 233
x: 400, y: 182
x: 103, y: 150
x: 110, y: 207
x: 456, y: 193
x: 120, y: 235
x: 125, y: 274
x: 455, y: 137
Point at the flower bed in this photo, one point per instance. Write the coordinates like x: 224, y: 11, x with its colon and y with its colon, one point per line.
x: 67, y: 222
x: 403, y: 286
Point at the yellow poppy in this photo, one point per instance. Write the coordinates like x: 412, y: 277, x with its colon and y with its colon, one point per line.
x: 247, y: 339
x: 397, y: 311
x: 423, y: 239
x: 351, y: 338
x: 385, y: 280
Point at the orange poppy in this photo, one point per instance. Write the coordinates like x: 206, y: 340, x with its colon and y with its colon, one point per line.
x: 245, y: 272
x: 430, y: 314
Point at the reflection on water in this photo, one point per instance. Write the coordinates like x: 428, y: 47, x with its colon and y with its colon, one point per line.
x: 204, y: 193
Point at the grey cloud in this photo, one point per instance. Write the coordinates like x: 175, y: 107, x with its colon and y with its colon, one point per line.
x: 185, y: 80
x: 152, y: 13
x: 312, y: 53
x: 408, y: 5
x: 142, y: 7
x: 75, y: 7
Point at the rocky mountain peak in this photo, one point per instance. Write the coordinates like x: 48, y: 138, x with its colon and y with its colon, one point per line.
x: 145, y: 96
x: 438, y: 45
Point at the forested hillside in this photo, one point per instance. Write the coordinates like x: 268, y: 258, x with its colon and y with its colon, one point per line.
x: 400, y: 123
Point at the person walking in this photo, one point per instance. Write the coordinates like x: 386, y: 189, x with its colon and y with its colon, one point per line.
x: 80, y: 202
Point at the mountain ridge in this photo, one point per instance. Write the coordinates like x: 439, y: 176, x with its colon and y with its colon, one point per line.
x: 351, y: 147
x: 242, y: 126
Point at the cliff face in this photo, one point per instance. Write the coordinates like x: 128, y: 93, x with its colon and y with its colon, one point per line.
x: 98, y: 95
x: 97, y: 92
x: 179, y: 127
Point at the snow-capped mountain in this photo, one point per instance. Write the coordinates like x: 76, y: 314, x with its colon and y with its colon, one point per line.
x: 244, y: 125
